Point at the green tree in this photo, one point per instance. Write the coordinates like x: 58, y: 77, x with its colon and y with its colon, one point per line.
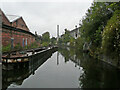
x: 53, y: 40
x: 95, y: 20
x: 66, y: 36
x: 45, y: 39
x: 111, y: 34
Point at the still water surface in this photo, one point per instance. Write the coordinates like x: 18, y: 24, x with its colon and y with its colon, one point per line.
x: 66, y: 68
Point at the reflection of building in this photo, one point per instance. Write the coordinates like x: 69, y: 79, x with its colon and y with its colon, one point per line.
x: 15, y: 77
x: 15, y: 31
x: 57, y: 58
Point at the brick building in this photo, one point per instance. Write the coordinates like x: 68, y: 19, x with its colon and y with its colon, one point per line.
x: 15, y: 31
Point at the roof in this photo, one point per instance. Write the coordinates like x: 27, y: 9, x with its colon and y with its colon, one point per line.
x: 74, y: 30
x: 13, y: 18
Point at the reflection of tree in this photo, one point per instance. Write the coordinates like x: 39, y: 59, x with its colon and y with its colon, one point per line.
x: 68, y: 53
x: 72, y: 52
x: 65, y: 53
x: 96, y: 74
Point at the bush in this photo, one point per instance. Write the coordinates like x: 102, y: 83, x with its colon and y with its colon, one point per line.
x: 72, y: 41
x: 18, y: 47
x: 111, y: 33
x: 45, y: 44
x: 79, y: 43
x: 33, y: 45
x: 6, y: 48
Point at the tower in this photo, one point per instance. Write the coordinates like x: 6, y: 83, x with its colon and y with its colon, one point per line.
x: 57, y: 33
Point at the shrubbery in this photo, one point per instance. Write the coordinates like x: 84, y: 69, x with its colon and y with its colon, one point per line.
x: 111, y: 34
x: 6, y: 48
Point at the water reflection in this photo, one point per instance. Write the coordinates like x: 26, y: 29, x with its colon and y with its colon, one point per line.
x: 67, y: 68
x: 17, y: 76
x: 57, y: 58
x: 97, y: 74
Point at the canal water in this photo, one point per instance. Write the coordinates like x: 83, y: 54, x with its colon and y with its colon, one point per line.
x: 64, y: 68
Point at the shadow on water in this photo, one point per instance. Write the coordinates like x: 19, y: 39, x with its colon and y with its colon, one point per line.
x: 97, y: 74
x: 17, y: 76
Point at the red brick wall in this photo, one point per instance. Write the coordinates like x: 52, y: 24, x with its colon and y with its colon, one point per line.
x: 4, y: 19
x: 5, y: 38
x: 20, y: 24
x: 18, y: 38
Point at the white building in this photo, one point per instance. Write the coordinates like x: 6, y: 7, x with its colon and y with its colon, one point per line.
x: 75, y: 33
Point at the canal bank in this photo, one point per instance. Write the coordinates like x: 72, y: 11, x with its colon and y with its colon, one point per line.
x: 21, y: 59
x: 112, y: 60
x: 13, y: 76
x: 65, y: 68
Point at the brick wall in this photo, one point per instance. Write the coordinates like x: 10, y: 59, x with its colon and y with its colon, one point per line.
x: 18, y: 38
x: 19, y: 23
x: 4, y: 19
x: 5, y: 38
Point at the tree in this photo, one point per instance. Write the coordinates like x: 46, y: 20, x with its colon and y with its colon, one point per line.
x: 95, y: 21
x: 45, y: 39
x: 66, y: 36
x: 111, y: 34
x: 53, y: 40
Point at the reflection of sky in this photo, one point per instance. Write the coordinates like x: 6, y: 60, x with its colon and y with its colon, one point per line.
x: 77, y: 72
x: 51, y: 75
x: 44, y: 16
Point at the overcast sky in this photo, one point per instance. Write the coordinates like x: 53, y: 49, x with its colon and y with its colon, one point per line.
x: 45, y: 16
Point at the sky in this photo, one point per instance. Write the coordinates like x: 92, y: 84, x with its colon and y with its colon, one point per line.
x: 45, y: 15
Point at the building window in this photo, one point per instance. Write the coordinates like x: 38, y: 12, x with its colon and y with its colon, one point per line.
x: 26, y: 42
x: 76, y: 34
x: 23, y: 42
x: 22, y: 26
x: 12, y: 42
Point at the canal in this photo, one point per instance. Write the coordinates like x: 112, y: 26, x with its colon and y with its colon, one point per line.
x: 63, y: 68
